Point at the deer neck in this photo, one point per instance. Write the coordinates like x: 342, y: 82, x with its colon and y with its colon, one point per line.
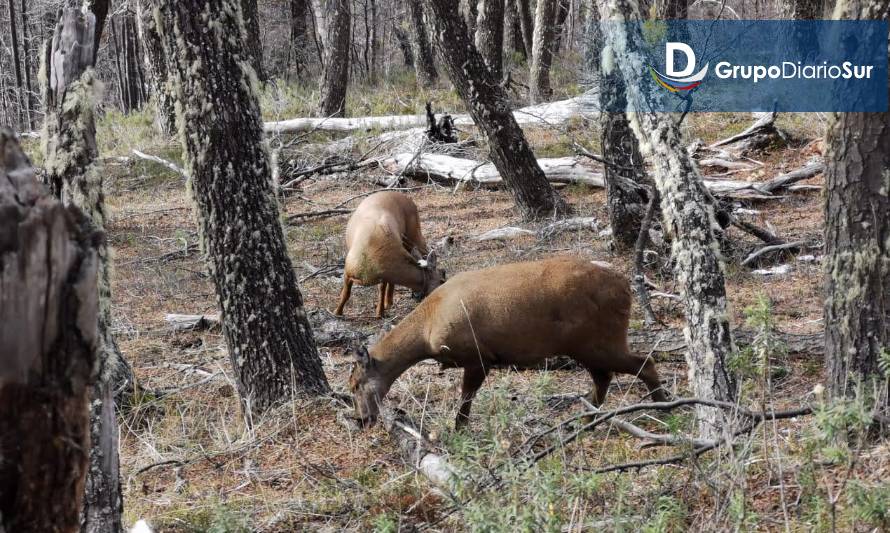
x: 400, y: 349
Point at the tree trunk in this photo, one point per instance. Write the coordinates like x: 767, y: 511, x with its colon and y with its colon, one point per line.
x: 17, y: 66
x: 336, y: 70
x: 76, y: 177
x: 424, y: 63
x: 48, y: 263
x: 253, y: 43
x: 804, y: 9
x: 542, y: 51
x: 470, y: 10
x: 404, y: 46
x: 526, y: 24
x: 156, y: 69
x: 676, y: 9
x: 269, y: 337
x: 26, y: 67
x: 512, y: 33
x: 490, y: 35
x: 488, y: 105
x: 99, y: 8
x: 857, y: 241
x: 559, y: 23
x: 689, y: 218
x: 299, y: 33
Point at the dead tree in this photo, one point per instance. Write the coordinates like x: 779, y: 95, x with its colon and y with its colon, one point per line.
x: 857, y: 241
x: 424, y: 63
x: 21, y: 95
x: 688, y: 212
x: 336, y: 68
x: 269, y: 337
x: 542, y: 50
x: 253, y: 43
x: 48, y: 285
x: 490, y: 35
x: 156, y: 69
x: 488, y: 105
x: 75, y: 176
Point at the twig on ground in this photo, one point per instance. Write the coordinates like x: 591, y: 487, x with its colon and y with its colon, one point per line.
x: 639, y: 250
x: 163, y: 162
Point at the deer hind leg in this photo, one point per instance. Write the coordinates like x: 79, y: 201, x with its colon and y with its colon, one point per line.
x: 344, y: 295
x: 381, y: 302
x: 390, y: 290
x: 473, y: 378
x: 643, y: 368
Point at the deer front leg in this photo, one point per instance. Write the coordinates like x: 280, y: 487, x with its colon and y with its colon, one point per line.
x: 381, y: 303
x: 390, y: 290
x: 473, y: 378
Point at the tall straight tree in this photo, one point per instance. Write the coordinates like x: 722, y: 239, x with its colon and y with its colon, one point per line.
x: 688, y: 211
x: 26, y: 66
x: 253, y: 41
x: 489, y: 107
x: 300, y: 12
x: 542, y: 50
x: 336, y: 68
x: 270, y: 340
x: 526, y: 24
x: 74, y: 174
x: 156, y: 69
x: 424, y: 64
x: 21, y: 101
x: 490, y: 35
x: 857, y: 239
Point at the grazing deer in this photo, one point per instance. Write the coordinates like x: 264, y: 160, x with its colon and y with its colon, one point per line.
x: 385, y: 246
x: 515, y: 314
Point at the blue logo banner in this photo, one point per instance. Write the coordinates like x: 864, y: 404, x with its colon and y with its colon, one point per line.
x: 759, y: 65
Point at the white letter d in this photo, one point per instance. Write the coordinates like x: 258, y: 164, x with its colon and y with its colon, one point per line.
x: 669, y: 50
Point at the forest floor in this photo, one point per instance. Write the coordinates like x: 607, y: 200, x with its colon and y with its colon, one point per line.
x: 189, y: 463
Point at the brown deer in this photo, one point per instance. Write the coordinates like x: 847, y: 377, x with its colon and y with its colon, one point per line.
x: 515, y: 314
x: 385, y: 246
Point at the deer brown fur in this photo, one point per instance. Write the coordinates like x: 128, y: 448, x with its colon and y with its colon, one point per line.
x: 385, y: 246
x: 515, y: 314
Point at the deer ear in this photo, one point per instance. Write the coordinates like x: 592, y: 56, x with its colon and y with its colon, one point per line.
x: 432, y: 260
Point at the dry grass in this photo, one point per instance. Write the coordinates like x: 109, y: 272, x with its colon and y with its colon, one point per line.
x: 300, y: 469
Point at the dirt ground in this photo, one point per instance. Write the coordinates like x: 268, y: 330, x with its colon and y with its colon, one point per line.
x: 189, y: 463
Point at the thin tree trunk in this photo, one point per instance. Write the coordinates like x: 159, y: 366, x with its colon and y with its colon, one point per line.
x: 47, y: 255
x: 562, y: 13
x: 270, y: 340
x: 156, y: 69
x: 375, y: 42
x: 299, y: 12
x: 404, y: 46
x: 490, y: 35
x: 75, y: 176
x: 253, y: 42
x: 336, y: 70
x: 526, y: 24
x: 542, y: 51
x: 857, y: 242
x: 423, y: 52
x: 26, y: 64
x: 488, y: 105
x: 16, y: 65
x: 121, y: 88
x: 688, y: 212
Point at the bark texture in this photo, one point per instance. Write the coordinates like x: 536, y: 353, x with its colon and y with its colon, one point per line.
x: 857, y: 240
x: 253, y: 42
x: 542, y: 50
x: 490, y: 35
x: 268, y: 334
x: 336, y: 70
x: 21, y: 95
x: 156, y: 69
x: 424, y: 63
x: 688, y: 210
x: 526, y: 24
x: 48, y: 267
x: 489, y: 107
x: 679, y: 9
x: 70, y: 93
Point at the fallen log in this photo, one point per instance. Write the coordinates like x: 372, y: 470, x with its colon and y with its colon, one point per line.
x: 546, y: 114
x: 764, y: 125
x: 417, y: 450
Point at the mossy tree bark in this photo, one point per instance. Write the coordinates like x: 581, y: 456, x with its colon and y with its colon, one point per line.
x: 542, y: 50
x: 268, y: 334
x: 70, y: 92
x: 489, y: 107
x: 48, y: 331
x: 336, y: 69
x: 156, y: 70
x: 688, y: 212
x: 422, y: 55
x: 857, y: 240
x: 490, y: 35
x: 253, y: 41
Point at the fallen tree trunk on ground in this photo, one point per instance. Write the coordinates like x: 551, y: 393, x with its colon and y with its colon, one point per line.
x: 547, y: 114
x: 417, y: 450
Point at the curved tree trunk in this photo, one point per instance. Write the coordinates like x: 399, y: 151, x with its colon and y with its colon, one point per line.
x: 48, y: 326
x: 424, y: 64
x: 542, y: 51
x: 270, y: 340
x: 857, y: 241
x: 75, y: 176
x: 488, y: 105
x: 253, y: 41
x: 688, y: 210
x: 156, y: 69
x: 490, y: 35
x: 336, y: 70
